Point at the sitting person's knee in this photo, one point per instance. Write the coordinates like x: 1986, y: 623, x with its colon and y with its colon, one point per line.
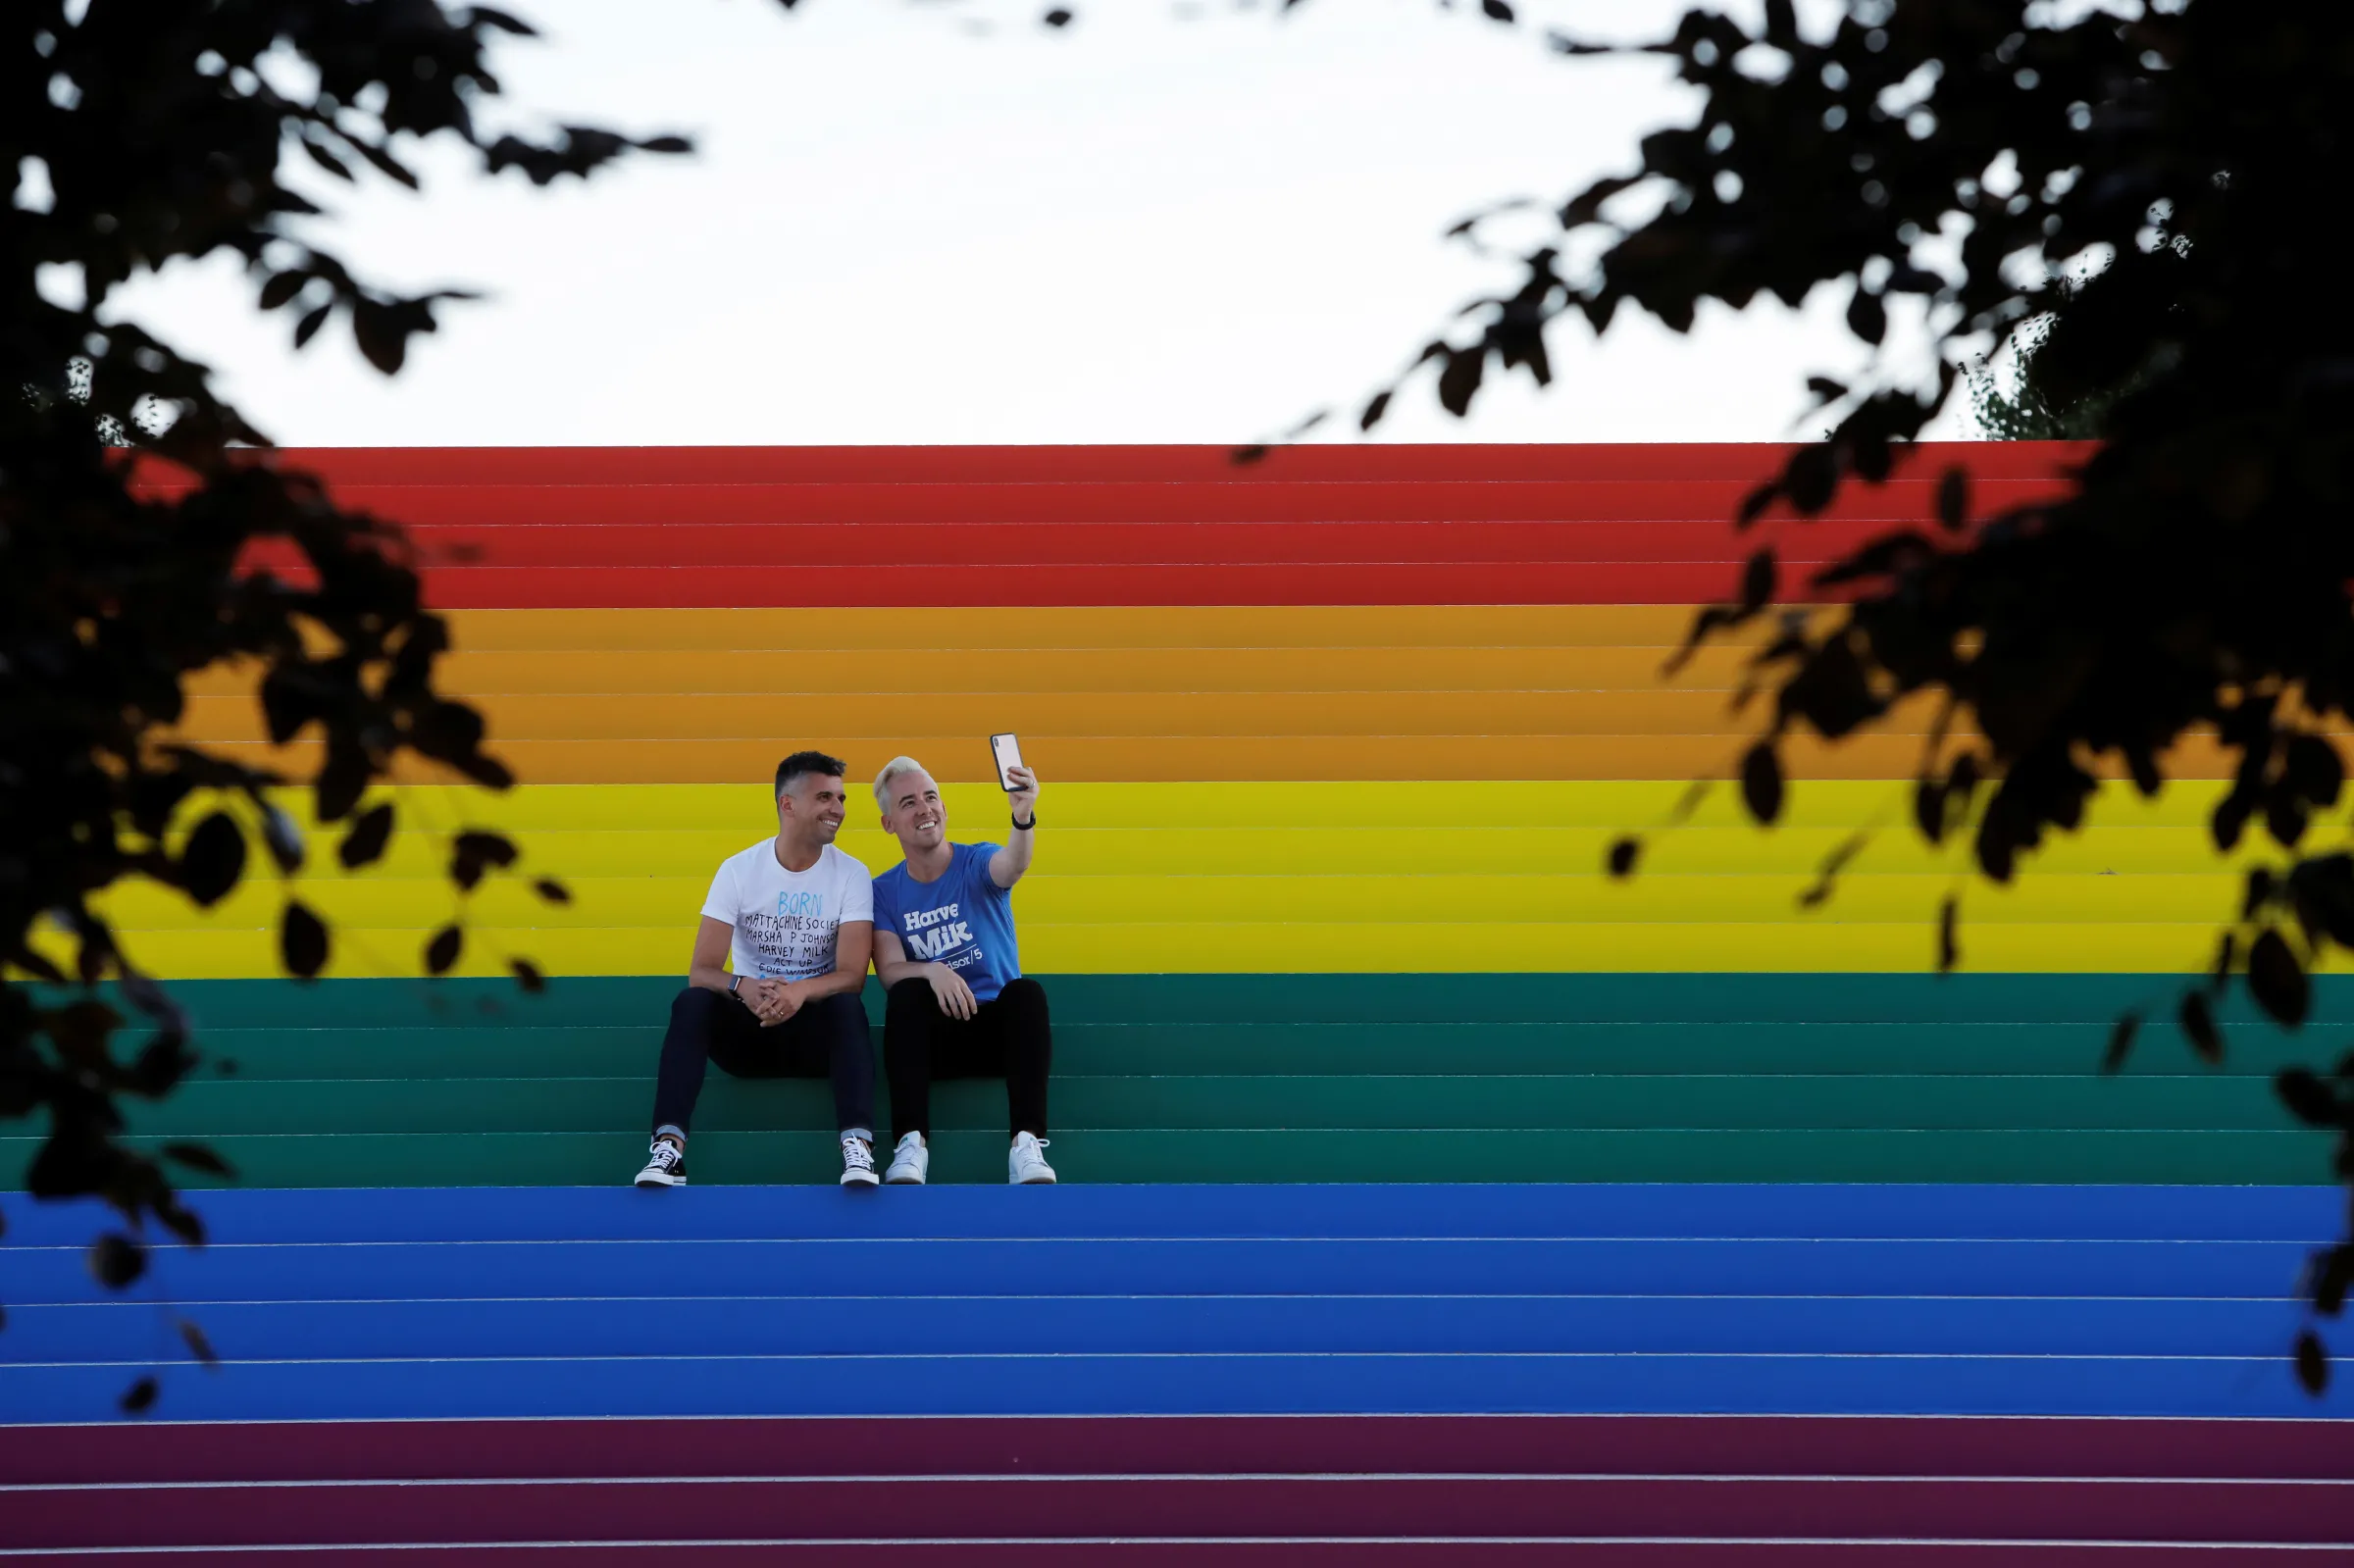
x: 1025, y: 993
x: 912, y: 991
x: 695, y: 1002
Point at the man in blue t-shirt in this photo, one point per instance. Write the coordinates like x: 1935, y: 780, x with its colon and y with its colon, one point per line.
x: 959, y: 1005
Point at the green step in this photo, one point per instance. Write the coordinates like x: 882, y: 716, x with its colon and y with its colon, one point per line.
x: 600, y: 1159
x: 1204, y: 1104
x: 1500, y: 998
x: 620, y: 1050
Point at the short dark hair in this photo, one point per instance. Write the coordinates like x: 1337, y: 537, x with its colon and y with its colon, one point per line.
x: 804, y: 762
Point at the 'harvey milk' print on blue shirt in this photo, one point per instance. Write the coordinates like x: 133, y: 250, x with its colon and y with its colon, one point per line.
x: 963, y: 920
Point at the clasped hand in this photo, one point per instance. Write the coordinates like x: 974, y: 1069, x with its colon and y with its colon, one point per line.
x: 772, y: 1001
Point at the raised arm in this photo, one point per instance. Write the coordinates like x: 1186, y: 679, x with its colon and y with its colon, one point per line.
x: 1006, y: 866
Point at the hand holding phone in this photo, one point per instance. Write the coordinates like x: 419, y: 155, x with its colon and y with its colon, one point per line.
x: 1006, y: 752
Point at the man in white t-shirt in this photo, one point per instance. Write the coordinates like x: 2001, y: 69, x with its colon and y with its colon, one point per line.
x: 795, y: 918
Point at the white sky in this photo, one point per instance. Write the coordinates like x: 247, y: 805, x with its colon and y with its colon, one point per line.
x: 941, y: 223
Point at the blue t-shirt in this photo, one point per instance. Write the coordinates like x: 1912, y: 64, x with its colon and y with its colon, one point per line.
x: 963, y: 920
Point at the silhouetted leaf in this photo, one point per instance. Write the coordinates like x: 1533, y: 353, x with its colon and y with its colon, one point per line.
x: 2307, y: 1097
x: 308, y: 327
x: 551, y: 891
x: 2321, y: 889
x: 282, y: 836
x: 1624, y: 851
x: 1460, y: 377
x: 213, y: 859
x: 2260, y: 890
x: 325, y: 159
x: 2333, y: 1277
x: 1827, y: 874
x: 1057, y: 17
x: 196, y: 1157
x: 1953, y: 499
x: 301, y: 941
x: 2278, y: 979
x: 1929, y: 809
x: 1495, y: 10
x: 1761, y: 783
x: 442, y: 951
x: 281, y: 288
x: 2312, y: 1363
x: 379, y: 332
x: 116, y: 1260
x: 370, y: 832
x: 1376, y: 407
x: 1758, y: 579
x: 474, y: 851
x: 528, y: 976
x: 139, y: 1398
x: 181, y: 1221
x: 1949, y: 936
x: 2197, y: 1019
x: 198, y: 1345
x: 2313, y: 768
x: 2121, y: 1042
x: 1810, y: 478
x: 1867, y: 316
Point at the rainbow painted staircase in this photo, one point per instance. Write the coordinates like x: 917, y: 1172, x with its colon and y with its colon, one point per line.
x: 1426, y: 1193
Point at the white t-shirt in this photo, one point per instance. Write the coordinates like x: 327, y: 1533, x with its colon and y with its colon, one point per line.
x: 785, y: 921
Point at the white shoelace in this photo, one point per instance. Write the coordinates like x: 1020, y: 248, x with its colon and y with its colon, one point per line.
x: 665, y: 1155
x: 854, y: 1155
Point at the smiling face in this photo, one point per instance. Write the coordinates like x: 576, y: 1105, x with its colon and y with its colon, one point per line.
x: 913, y: 812
x: 812, y: 804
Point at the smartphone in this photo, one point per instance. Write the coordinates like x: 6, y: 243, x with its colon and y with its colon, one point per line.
x: 1007, y: 753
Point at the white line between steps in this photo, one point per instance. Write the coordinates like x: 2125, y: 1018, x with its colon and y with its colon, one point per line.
x: 992, y: 1478
x: 1176, y: 1355
x: 846, y: 1543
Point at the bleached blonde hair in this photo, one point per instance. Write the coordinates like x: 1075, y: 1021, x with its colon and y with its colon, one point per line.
x: 891, y: 770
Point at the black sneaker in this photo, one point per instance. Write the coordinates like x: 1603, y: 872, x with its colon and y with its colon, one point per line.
x: 857, y: 1163
x: 665, y: 1165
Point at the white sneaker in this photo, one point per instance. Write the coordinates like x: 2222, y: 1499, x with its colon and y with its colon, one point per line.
x: 857, y: 1163
x: 1025, y: 1166
x: 910, y: 1162
x: 665, y: 1166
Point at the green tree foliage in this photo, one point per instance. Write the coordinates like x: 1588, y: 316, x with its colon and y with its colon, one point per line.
x: 134, y: 133
x: 2026, y: 409
x: 1944, y: 163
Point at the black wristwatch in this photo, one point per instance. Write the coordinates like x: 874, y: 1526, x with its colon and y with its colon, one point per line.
x: 732, y: 984
x: 1023, y: 826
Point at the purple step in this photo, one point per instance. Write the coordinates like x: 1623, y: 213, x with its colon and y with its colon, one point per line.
x: 1697, y: 1444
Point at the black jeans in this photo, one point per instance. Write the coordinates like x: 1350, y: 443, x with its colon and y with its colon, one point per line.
x: 826, y: 1039
x: 1009, y: 1036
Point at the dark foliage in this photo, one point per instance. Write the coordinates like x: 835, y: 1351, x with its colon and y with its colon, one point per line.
x: 2026, y: 410
x: 138, y: 132
x: 1948, y: 162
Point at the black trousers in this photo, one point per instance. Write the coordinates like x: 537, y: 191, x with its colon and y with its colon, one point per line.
x: 826, y: 1039
x: 1009, y: 1036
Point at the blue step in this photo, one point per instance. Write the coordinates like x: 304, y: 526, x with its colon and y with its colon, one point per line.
x: 608, y: 1302
x: 817, y: 1270
x: 1183, y: 1384
x: 655, y: 1324
x: 2303, y: 1214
